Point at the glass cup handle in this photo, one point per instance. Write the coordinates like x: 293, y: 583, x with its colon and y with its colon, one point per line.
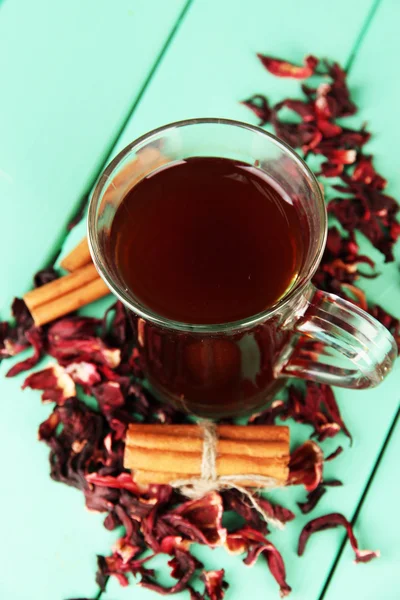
x: 338, y: 344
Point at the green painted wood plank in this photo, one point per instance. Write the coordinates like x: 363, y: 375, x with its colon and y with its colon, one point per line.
x: 378, y: 521
x: 321, y: 554
x: 211, y: 82
x: 212, y: 65
x: 70, y: 72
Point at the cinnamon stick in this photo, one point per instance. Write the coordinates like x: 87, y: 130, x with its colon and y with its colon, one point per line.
x: 59, y: 287
x: 189, y: 462
x: 261, y: 433
x: 60, y: 306
x: 78, y: 257
x: 267, y: 449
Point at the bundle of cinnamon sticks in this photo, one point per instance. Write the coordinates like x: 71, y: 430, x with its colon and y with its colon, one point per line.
x: 59, y: 297
x: 163, y: 453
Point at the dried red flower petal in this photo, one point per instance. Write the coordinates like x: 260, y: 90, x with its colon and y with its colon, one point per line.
x: 84, y: 373
x: 282, y: 68
x: 298, y: 135
x: 270, y: 414
x: 55, y: 382
x: 334, y: 454
x: 327, y: 128
x: 206, y: 515
x: 306, y: 466
x: 329, y: 169
x: 339, y: 156
x: 120, y: 564
x: 123, y: 481
x: 318, y: 408
x: 370, y: 211
x: 256, y: 544
x: 303, y: 109
x: 13, y: 338
x: 276, y: 511
x: 330, y: 521
x: 120, y: 331
x: 48, y: 427
x: 339, y: 92
x: 45, y: 276
x: 235, y: 543
x: 87, y: 350
x: 260, y: 107
x: 187, y: 565
x: 312, y: 499
x: 109, y: 396
x: 73, y: 327
x: 34, y: 337
x: 364, y: 172
x: 215, y: 584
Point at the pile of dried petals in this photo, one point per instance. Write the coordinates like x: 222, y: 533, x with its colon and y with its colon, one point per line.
x: 97, y: 358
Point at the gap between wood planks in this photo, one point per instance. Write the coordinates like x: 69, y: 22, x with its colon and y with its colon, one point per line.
x: 368, y: 485
x: 360, y: 38
x: 115, y: 139
x: 356, y: 48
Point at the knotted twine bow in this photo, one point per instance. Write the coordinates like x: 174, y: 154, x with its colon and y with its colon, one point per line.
x: 197, y: 487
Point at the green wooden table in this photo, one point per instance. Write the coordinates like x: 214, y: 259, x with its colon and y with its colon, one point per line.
x: 79, y: 81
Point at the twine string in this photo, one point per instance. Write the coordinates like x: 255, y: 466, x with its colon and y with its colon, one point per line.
x: 197, y: 487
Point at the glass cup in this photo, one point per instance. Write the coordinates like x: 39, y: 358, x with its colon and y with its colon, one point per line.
x: 234, y: 368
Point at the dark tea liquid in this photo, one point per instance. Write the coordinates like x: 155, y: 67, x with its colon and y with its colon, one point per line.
x: 207, y: 240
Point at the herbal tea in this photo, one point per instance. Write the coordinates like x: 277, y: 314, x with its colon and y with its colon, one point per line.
x: 207, y: 240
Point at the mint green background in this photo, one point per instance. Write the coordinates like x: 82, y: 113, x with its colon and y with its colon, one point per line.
x: 81, y: 80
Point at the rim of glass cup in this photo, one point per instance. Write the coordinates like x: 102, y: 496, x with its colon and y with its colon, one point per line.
x: 149, y: 315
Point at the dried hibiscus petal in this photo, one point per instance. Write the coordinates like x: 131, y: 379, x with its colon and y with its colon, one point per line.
x: 73, y: 327
x: 306, y: 466
x: 260, y: 107
x: 88, y: 349
x: 334, y: 454
x: 270, y: 414
x: 329, y: 169
x: 256, y: 543
x: 35, y: 338
x: 364, y: 172
x: 84, y: 373
x: 123, y: 481
x: 55, y: 382
x: 206, y: 515
x: 45, y: 276
x: 312, y: 499
x: 328, y: 522
x: 108, y: 395
x: 317, y: 407
x: 282, y: 68
x: 187, y: 565
x: 215, y: 584
x: 119, y: 565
